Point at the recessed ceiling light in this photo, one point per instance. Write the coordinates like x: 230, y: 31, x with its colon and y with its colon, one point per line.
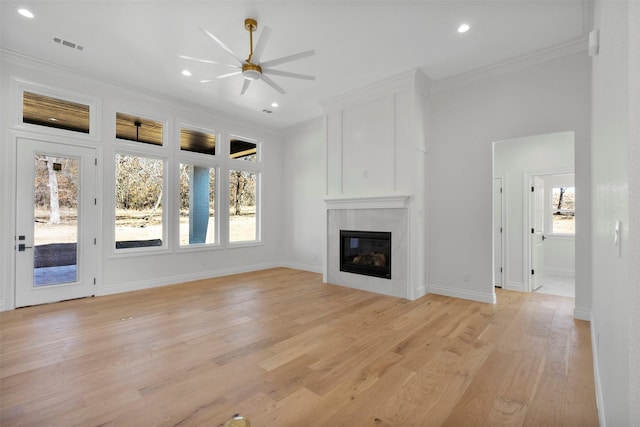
x: 463, y: 28
x: 274, y: 104
x: 26, y: 13
x: 186, y: 73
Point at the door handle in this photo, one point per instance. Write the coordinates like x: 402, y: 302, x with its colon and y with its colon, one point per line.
x: 543, y: 238
x: 22, y: 247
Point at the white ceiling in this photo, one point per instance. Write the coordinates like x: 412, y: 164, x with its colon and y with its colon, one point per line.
x: 357, y: 43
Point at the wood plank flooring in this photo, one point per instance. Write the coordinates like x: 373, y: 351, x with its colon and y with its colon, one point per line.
x: 284, y: 349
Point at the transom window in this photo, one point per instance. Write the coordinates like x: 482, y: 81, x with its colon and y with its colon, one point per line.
x: 56, y: 113
x: 243, y: 150
x: 197, y: 141
x: 138, y: 129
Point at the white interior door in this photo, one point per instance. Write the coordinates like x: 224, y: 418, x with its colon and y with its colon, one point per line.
x: 55, y: 222
x: 537, y: 232
x: 498, y: 229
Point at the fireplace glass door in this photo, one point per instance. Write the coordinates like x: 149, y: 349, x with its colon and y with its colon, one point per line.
x: 366, y: 252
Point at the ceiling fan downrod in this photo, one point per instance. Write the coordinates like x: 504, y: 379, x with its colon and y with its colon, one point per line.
x: 251, y: 71
x: 250, y: 25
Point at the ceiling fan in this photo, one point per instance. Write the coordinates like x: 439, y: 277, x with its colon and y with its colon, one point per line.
x: 251, y: 68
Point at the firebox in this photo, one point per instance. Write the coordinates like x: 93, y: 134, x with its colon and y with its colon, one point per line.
x: 366, y: 252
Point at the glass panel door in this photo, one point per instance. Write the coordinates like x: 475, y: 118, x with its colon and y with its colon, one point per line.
x: 55, y: 222
x: 55, y: 228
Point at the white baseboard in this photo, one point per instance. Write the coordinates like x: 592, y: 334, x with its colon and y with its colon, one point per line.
x: 515, y: 286
x: 596, y: 376
x: 4, y: 306
x: 172, y: 280
x: 489, y: 298
x: 303, y: 267
x: 421, y: 291
x: 559, y: 271
x: 580, y: 313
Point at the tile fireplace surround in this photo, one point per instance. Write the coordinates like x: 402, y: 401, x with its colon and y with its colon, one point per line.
x: 389, y: 214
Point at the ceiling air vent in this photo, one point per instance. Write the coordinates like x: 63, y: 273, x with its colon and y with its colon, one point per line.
x: 67, y: 43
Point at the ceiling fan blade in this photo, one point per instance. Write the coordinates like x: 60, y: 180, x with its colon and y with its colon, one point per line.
x: 206, y: 61
x: 210, y: 79
x: 289, y: 58
x: 288, y: 74
x: 273, y: 84
x: 223, y: 46
x: 224, y: 76
x: 245, y: 86
x: 262, y: 42
x: 190, y: 58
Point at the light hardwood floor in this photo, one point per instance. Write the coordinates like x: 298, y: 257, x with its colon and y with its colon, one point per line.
x: 284, y: 349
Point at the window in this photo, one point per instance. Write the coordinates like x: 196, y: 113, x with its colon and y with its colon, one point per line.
x: 243, y: 206
x: 243, y: 150
x: 133, y: 128
x: 55, y: 113
x: 563, y: 215
x: 197, y: 205
x: 197, y: 141
x: 138, y: 201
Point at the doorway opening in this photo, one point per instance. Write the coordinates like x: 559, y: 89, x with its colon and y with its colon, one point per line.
x: 530, y: 252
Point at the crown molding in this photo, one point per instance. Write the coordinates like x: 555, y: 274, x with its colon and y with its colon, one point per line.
x: 415, y: 79
x: 559, y: 51
x: 308, y: 125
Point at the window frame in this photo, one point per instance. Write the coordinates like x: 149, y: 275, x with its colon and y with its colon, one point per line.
x: 250, y: 167
x: 22, y: 86
x: 195, y: 159
x: 166, y: 130
x: 551, y: 210
x: 144, y: 250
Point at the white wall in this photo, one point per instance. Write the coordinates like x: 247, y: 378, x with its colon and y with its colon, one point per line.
x: 515, y: 160
x: 127, y: 272
x: 548, y: 97
x: 616, y: 197
x: 303, y: 189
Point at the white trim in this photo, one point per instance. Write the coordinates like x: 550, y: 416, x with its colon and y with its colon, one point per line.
x: 183, y: 278
x: 316, y: 123
x: 414, y: 79
x: 581, y: 313
x: 515, y: 286
x: 420, y: 291
x: 489, y: 298
x: 20, y: 86
x: 303, y: 267
x: 596, y: 375
x: 559, y: 51
x: 374, y: 202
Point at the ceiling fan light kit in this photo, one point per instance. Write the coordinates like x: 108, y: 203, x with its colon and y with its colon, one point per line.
x: 251, y: 71
x: 251, y: 68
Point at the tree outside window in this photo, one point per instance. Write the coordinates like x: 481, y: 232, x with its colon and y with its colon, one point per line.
x: 139, y: 193
x: 242, y: 206
x: 563, y: 215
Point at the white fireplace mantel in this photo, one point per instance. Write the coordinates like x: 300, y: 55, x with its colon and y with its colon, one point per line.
x: 372, y: 202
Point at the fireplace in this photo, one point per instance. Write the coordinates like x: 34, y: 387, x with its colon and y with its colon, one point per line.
x: 366, y: 252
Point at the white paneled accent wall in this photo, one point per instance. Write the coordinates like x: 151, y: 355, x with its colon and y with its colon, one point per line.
x: 377, y: 148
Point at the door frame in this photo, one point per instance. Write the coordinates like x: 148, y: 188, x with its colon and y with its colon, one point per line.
x: 527, y: 237
x: 501, y: 232
x: 12, y: 174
